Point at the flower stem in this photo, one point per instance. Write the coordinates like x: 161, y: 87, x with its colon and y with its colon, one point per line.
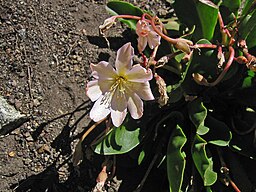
x: 230, y: 61
x: 165, y: 37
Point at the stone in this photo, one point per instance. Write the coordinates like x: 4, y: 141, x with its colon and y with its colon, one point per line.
x: 10, y: 118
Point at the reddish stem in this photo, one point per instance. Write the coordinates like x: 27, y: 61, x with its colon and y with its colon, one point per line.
x: 230, y: 61
x: 199, y: 46
x: 234, y: 186
x: 165, y: 37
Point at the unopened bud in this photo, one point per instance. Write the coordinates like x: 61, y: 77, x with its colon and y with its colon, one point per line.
x: 241, y: 60
x: 108, y: 23
x: 102, y: 177
x: 199, y: 79
x: 183, y: 45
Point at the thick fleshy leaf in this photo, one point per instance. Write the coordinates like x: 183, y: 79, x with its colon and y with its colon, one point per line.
x: 247, y: 30
x: 124, y: 8
x: 232, y: 5
x: 204, y: 63
x: 247, y: 5
x: 120, y: 140
x: 201, y: 13
x: 208, y: 14
x: 218, y: 134
x: 176, y: 159
x: 243, y: 144
x: 197, y: 114
x: 203, y: 163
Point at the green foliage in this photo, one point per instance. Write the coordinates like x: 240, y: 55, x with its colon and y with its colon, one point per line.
x: 124, y: 8
x: 176, y: 159
x: 203, y: 163
x: 120, y: 139
x: 197, y: 114
x: 211, y: 118
x: 201, y: 14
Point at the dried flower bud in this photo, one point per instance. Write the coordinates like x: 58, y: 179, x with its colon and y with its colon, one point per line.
x: 163, y: 99
x: 242, y: 60
x: 162, y: 61
x: 183, y: 45
x: 108, y: 23
x: 242, y: 44
x: 199, y: 79
x: 102, y: 177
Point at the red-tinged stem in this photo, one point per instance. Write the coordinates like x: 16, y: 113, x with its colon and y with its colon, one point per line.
x: 230, y: 61
x: 234, y: 186
x: 199, y: 46
x: 127, y: 17
x: 133, y: 17
x: 225, y: 32
x: 165, y: 37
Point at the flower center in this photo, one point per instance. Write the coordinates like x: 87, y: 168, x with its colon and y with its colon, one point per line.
x: 118, y: 87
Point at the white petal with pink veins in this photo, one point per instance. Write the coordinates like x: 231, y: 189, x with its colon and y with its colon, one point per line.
x: 118, y: 117
x: 119, y: 101
x: 124, y: 58
x: 104, y: 70
x: 99, y: 110
x: 143, y: 91
x: 93, y: 90
x: 142, y: 43
x: 135, y: 106
x: 139, y: 74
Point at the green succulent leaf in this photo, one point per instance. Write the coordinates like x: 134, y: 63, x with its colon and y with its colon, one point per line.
x: 124, y: 8
x: 242, y: 144
x: 203, y: 62
x: 197, y: 114
x: 120, y: 140
x: 203, y: 164
x: 247, y: 30
x: 232, y: 5
x: 219, y: 133
x: 247, y: 6
x: 201, y: 13
x: 176, y: 159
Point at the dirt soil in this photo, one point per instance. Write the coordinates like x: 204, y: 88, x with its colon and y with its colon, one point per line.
x: 45, y: 51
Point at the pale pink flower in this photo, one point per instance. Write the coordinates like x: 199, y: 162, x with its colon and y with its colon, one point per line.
x: 147, y: 35
x: 119, y: 88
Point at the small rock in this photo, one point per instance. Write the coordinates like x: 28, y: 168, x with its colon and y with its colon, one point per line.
x: 43, y: 148
x: 12, y: 154
x: 10, y: 118
x: 36, y: 102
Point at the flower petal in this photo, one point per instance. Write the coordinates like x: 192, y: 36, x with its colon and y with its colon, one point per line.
x: 99, y: 110
x: 135, y: 106
x: 105, y: 85
x: 119, y: 101
x: 142, y: 90
x: 153, y: 38
x: 142, y: 43
x: 139, y: 74
x: 118, y: 117
x: 103, y: 70
x: 93, y: 90
x: 124, y: 58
